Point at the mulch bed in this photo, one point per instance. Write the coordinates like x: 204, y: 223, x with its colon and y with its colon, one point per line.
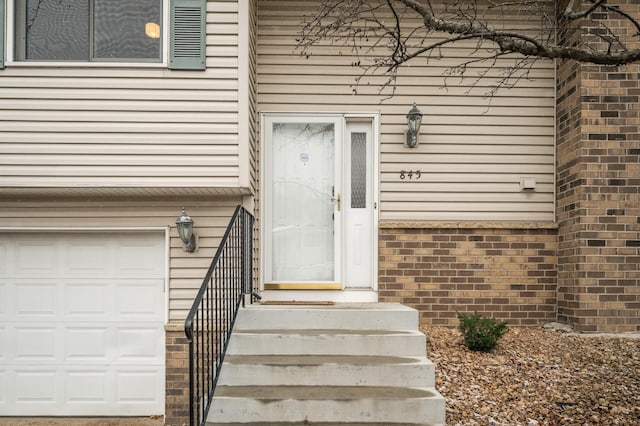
x: 538, y: 377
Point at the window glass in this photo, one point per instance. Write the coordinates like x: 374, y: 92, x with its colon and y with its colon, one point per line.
x: 127, y: 29
x: 358, y: 170
x: 303, y: 184
x: 56, y: 30
x: 89, y: 30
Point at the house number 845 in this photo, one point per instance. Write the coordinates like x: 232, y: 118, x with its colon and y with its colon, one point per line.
x: 410, y: 174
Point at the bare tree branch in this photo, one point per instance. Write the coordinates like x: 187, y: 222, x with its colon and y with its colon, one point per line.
x: 570, y: 14
x: 383, y: 35
x: 518, y: 43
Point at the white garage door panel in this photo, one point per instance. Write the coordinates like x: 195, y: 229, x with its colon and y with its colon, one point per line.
x: 86, y: 344
x: 3, y: 259
x: 87, y: 300
x: 36, y: 301
x: 26, y: 253
x: 83, y: 386
x: 82, y: 329
x: 34, y: 343
x: 4, y: 300
x: 86, y: 257
x: 4, y: 345
x: 3, y: 389
x: 35, y: 385
x: 127, y: 391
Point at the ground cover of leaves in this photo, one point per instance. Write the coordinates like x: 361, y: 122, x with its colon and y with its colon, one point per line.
x: 538, y: 377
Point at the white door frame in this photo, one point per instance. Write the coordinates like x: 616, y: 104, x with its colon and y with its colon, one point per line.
x: 345, y: 295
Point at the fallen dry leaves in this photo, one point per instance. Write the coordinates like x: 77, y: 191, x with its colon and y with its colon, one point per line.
x: 538, y: 377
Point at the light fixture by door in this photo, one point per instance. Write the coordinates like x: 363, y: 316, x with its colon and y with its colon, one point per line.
x: 184, y: 224
x: 414, y: 120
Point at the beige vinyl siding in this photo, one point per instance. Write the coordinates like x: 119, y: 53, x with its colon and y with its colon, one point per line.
x: 473, y: 149
x: 186, y: 270
x: 247, y: 93
x: 126, y: 127
x: 254, y: 132
x: 253, y: 96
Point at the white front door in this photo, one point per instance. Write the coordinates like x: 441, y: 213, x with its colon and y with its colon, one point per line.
x: 302, y: 186
x: 318, y: 203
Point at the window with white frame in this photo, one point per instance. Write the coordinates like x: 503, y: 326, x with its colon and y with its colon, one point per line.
x: 88, y: 30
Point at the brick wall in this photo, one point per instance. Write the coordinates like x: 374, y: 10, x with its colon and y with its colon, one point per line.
x: 568, y: 186
x: 440, y: 269
x: 598, y: 192
x: 177, y: 376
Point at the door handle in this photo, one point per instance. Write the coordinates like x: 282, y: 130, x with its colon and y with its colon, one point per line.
x: 337, y: 200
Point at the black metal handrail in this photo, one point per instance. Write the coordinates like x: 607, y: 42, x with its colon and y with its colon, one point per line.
x: 210, y: 321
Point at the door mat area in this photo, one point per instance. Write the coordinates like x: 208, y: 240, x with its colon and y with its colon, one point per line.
x: 298, y: 302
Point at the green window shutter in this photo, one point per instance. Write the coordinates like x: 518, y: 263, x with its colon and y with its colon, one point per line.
x: 1, y: 34
x: 187, y: 37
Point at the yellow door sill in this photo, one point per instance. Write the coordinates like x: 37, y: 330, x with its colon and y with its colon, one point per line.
x: 303, y: 286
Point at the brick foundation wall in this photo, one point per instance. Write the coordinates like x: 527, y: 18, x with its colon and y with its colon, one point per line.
x: 177, y: 376
x: 598, y: 192
x: 508, y: 273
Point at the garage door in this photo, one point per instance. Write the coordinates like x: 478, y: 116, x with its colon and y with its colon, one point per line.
x: 81, y: 324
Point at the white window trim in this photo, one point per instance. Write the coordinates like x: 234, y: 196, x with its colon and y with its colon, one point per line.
x: 10, y: 46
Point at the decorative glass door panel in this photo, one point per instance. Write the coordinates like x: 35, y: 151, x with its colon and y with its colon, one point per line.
x: 358, y: 208
x: 302, y: 184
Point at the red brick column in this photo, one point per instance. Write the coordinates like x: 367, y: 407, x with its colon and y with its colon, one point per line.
x: 177, y: 375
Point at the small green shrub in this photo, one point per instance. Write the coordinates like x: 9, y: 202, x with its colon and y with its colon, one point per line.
x: 481, y: 334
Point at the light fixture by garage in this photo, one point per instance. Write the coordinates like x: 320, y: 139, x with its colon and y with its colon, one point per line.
x: 184, y: 224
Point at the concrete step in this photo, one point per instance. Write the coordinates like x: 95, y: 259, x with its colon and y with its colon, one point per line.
x: 327, y: 342
x: 352, y: 316
x: 380, y: 404
x: 326, y: 370
x: 320, y: 424
x: 356, y: 364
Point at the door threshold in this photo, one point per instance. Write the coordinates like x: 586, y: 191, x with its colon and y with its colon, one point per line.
x: 298, y: 302
x: 364, y: 295
x: 303, y: 286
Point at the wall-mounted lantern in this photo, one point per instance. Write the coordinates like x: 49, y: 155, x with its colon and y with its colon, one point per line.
x: 414, y: 120
x: 184, y: 224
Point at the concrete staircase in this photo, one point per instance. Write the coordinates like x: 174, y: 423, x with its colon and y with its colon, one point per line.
x: 357, y: 364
